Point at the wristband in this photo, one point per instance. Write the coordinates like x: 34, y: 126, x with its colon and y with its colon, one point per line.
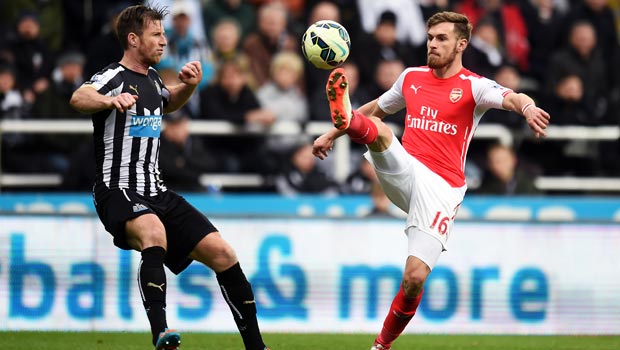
x: 526, y: 107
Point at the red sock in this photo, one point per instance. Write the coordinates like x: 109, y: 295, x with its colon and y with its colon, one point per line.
x: 402, y: 310
x: 362, y: 130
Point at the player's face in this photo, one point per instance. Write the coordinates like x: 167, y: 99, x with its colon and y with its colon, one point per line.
x: 442, y: 45
x: 152, y: 42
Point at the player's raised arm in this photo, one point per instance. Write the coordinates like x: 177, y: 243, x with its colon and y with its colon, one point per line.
x: 87, y: 100
x: 190, y: 76
x: 537, y: 118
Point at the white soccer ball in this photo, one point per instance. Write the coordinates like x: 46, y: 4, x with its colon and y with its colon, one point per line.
x: 326, y: 44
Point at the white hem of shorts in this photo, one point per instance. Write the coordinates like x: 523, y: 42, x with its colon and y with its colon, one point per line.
x: 424, y: 246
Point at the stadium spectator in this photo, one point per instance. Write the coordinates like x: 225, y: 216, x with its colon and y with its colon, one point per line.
x: 382, y: 207
x: 505, y: 174
x: 430, y: 7
x: 543, y: 19
x: 11, y: 108
x: 319, y: 108
x: 53, y: 103
x: 67, y: 76
x: 581, y: 57
x: 510, y: 77
x: 83, y: 20
x: 226, y: 40
x: 183, y: 157
x: 300, y: 175
x: 282, y: 96
x: 322, y: 10
x: 409, y: 22
x: 383, y: 45
x: 103, y: 47
x: 386, y: 74
x: 239, y: 10
x: 32, y: 57
x: 567, y: 102
x: 361, y: 180
x: 601, y: 16
x: 50, y: 14
x: 132, y: 201
x: 485, y: 54
x: 270, y: 38
x: 183, y: 46
x: 294, y: 8
x: 21, y: 153
x: 11, y: 102
x: 315, y: 78
x: 230, y: 98
x: 424, y: 175
x: 506, y: 16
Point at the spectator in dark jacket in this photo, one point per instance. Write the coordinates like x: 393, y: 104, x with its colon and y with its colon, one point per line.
x: 183, y: 157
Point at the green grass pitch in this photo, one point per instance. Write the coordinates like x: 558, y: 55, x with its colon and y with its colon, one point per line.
x: 295, y: 341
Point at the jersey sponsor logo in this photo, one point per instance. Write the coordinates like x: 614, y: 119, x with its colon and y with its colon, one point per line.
x: 145, y: 126
x: 455, y: 95
x: 139, y: 207
x: 427, y: 120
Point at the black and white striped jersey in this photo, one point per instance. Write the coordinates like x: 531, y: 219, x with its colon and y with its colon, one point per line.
x: 127, y: 144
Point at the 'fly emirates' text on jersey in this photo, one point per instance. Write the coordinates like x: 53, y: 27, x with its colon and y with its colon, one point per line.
x: 442, y: 115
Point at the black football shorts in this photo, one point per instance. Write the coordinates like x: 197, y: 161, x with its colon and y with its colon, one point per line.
x: 185, y: 225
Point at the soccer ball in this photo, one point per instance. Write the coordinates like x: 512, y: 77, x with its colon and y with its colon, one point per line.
x: 326, y: 44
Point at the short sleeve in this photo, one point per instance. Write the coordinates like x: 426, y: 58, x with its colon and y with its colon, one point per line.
x: 105, y: 80
x: 392, y: 101
x: 488, y: 94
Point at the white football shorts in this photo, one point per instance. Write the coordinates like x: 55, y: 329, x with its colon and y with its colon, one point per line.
x: 429, y: 201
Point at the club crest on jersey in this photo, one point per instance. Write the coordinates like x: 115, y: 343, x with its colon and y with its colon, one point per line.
x: 455, y: 95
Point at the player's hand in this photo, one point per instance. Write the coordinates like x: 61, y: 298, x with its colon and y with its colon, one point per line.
x: 191, y: 73
x: 537, y: 119
x: 322, y: 145
x: 123, y: 102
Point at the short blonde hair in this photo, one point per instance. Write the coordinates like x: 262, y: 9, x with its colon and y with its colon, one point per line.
x: 287, y: 59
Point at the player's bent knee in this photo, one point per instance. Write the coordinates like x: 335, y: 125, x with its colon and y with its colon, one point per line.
x: 215, y: 252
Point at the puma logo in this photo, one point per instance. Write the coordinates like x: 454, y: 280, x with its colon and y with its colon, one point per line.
x: 160, y: 287
x: 249, y: 302
x: 134, y: 88
x: 413, y: 87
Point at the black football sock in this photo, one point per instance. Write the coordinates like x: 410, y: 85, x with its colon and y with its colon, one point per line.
x: 238, y: 294
x: 152, y: 282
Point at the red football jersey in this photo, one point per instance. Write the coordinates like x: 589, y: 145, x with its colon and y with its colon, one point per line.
x: 442, y: 115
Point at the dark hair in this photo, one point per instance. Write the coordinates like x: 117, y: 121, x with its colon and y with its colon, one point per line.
x: 462, y: 27
x: 133, y: 20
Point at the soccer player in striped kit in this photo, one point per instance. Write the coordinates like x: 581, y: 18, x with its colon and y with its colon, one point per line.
x: 424, y: 175
x: 127, y: 100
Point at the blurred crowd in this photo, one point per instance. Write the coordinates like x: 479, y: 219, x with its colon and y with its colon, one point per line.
x: 564, y: 53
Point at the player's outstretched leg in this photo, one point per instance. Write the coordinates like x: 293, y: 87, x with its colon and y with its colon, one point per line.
x: 168, y: 340
x: 359, y: 128
x: 337, y: 90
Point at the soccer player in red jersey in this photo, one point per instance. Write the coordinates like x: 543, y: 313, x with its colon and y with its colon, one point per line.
x: 424, y: 175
